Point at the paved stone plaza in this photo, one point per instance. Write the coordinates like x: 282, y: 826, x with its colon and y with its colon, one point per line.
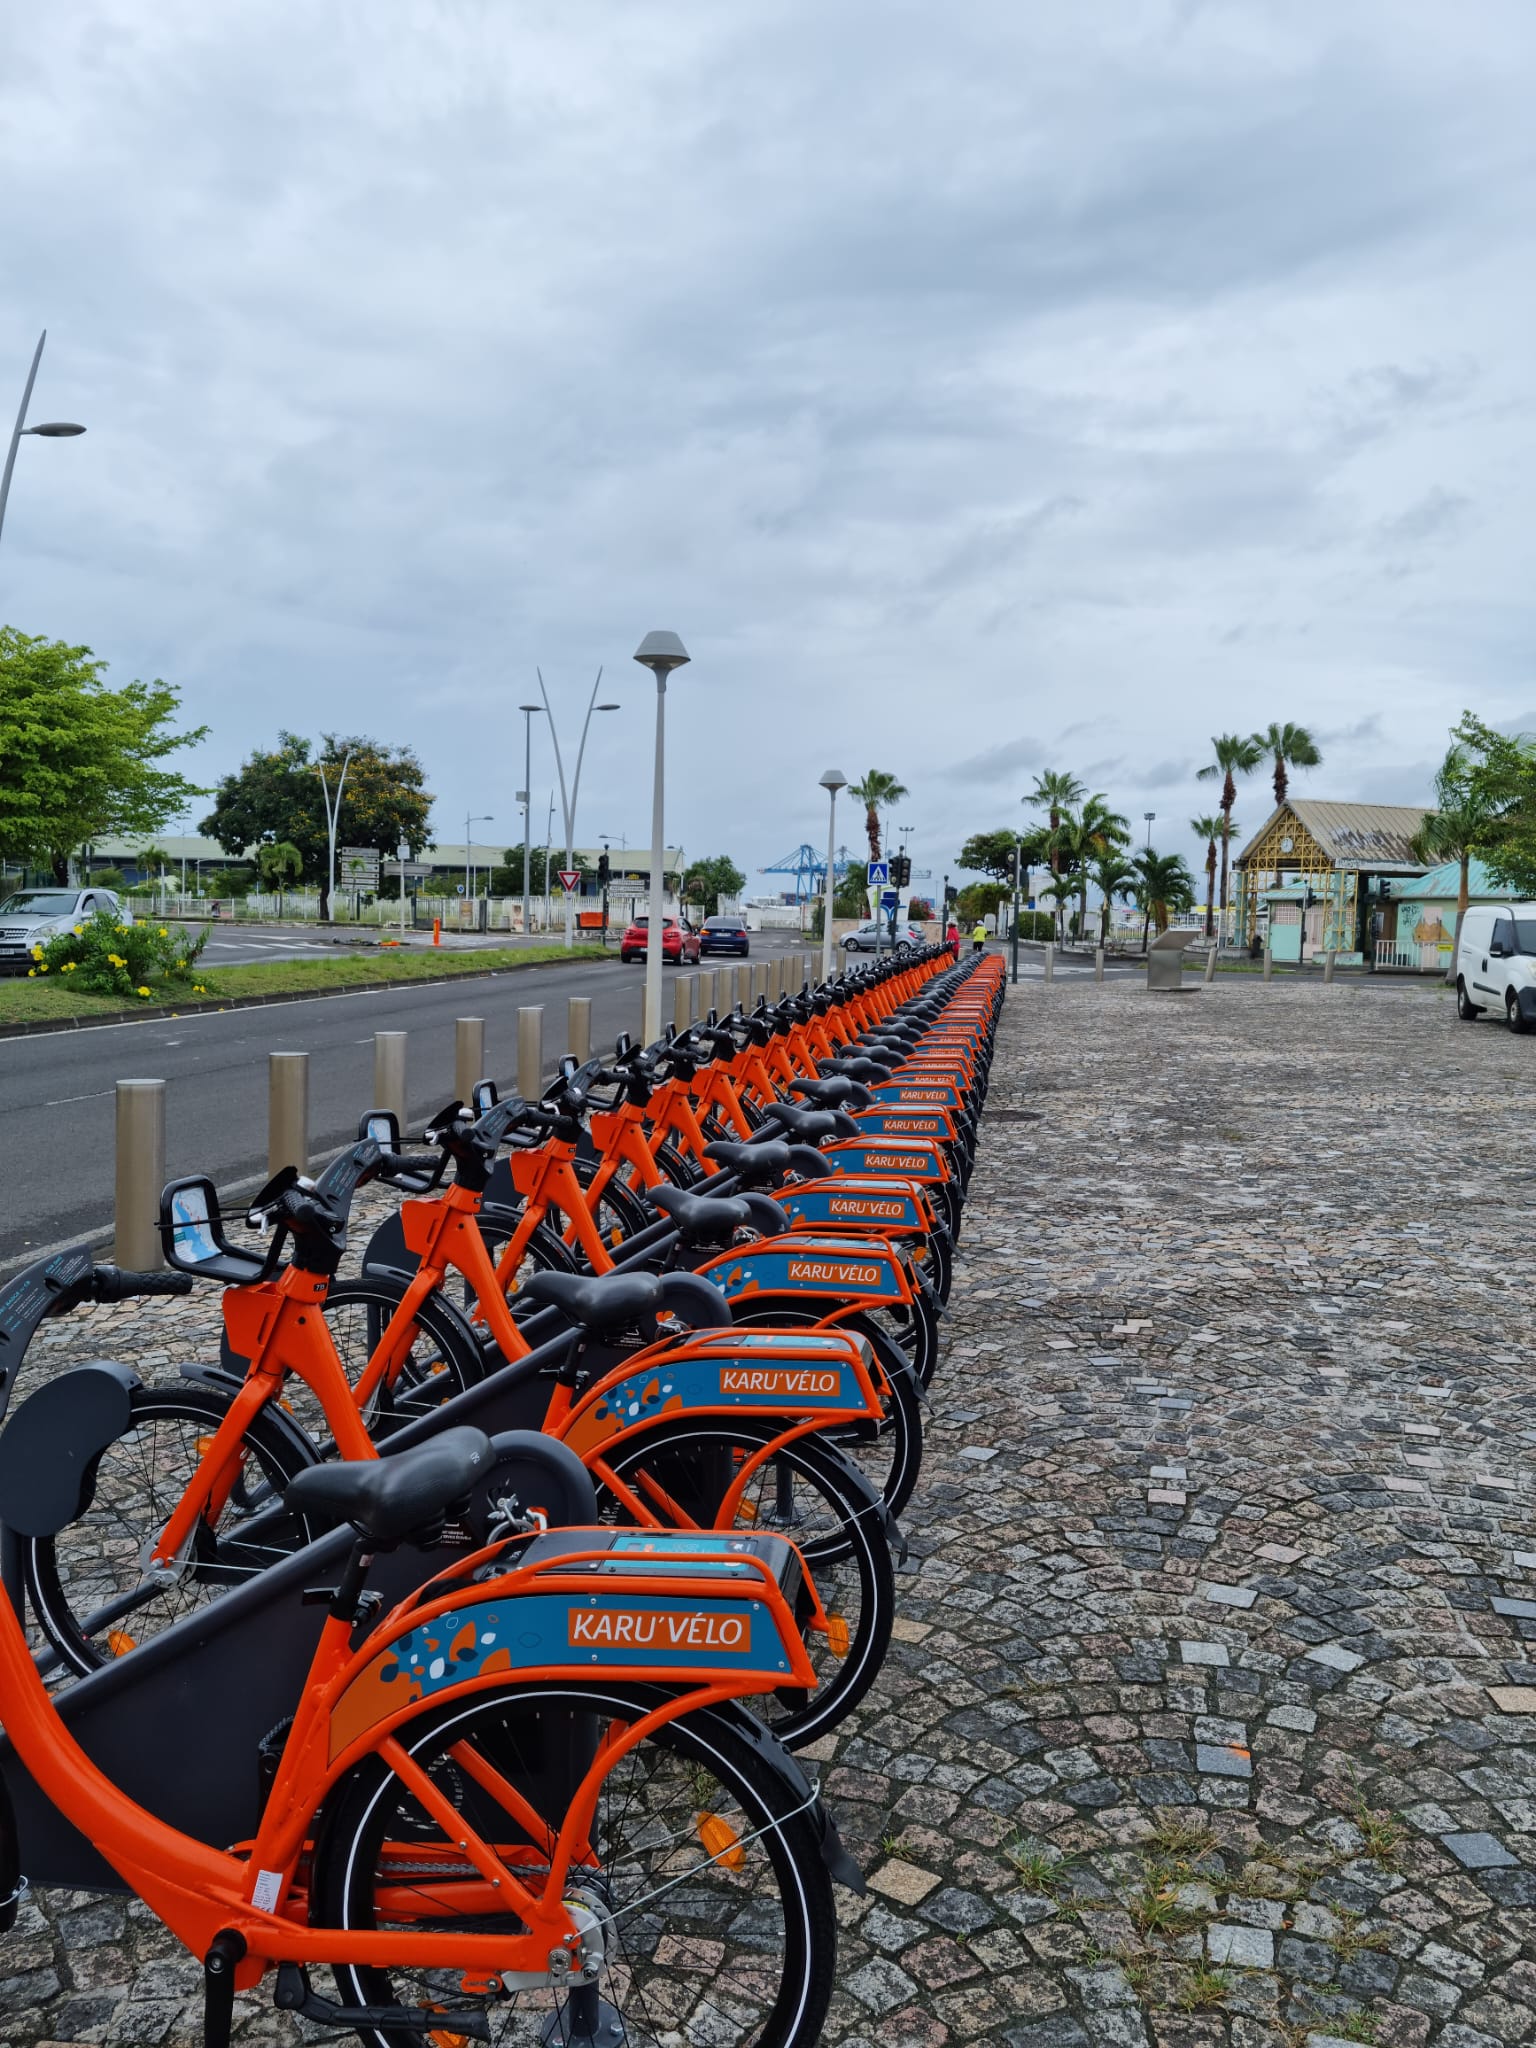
x: 1209, y: 1717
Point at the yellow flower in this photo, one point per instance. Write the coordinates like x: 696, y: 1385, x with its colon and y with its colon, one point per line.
x: 31, y: 974
x: 37, y: 952
x: 43, y: 969
x: 75, y: 929
x: 164, y: 933
x: 143, y: 991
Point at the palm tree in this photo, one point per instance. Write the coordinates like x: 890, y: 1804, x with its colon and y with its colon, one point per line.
x: 1061, y: 889
x: 1455, y: 829
x: 1163, y: 884
x: 1236, y: 754
x: 877, y: 792
x: 1209, y: 829
x: 1291, y: 743
x: 1054, y: 792
x: 1112, y: 875
x: 1083, y: 837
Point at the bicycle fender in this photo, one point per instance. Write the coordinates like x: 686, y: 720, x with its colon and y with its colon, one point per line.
x: 274, y: 1414
x: 801, y: 1792
x: 54, y: 1442
x: 386, y: 1252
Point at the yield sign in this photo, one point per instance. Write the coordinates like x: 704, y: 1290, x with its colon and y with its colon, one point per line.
x: 569, y: 877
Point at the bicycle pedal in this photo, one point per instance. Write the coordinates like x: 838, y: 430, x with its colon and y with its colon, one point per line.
x: 294, y: 1995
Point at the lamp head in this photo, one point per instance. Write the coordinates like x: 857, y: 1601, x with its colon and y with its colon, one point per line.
x: 55, y: 430
x: 530, y: 707
x: 609, y: 707
x: 661, y: 653
x: 834, y: 780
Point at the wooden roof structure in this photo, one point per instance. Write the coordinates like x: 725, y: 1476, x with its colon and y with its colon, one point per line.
x: 1308, y: 835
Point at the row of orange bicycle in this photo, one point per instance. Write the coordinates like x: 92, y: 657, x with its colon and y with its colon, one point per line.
x: 454, y: 1632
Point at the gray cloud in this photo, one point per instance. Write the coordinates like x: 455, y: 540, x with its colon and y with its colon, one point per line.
x: 1088, y: 372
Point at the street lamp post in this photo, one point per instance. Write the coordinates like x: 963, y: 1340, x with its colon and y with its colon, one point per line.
x: 332, y: 814
x: 1151, y: 819
x: 525, y: 798
x: 660, y: 653
x: 831, y: 782
x: 485, y: 818
x: 568, y: 798
x: 48, y: 430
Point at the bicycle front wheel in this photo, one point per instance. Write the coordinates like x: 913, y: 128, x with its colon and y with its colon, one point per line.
x: 92, y: 1586
x: 706, y: 1893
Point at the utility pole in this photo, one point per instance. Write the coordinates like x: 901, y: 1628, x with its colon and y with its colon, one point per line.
x: 1016, y: 851
x: 332, y: 813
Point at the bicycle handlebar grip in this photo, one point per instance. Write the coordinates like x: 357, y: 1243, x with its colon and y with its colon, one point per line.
x: 110, y: 1283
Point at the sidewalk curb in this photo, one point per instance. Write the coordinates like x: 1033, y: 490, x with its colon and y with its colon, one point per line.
x: 212, y: 1005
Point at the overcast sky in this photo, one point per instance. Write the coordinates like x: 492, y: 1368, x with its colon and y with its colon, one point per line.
x: 977, y: 388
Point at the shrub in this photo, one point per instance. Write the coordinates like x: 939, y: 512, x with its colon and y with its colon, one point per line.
x: 112, y: 957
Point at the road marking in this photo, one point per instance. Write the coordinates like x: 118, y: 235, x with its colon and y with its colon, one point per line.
x: 95, y: 1096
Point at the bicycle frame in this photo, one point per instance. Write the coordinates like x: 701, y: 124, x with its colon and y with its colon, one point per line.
x: 347, y: 1711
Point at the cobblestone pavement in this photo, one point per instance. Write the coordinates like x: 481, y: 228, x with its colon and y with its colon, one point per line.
x: 1210, y: 1718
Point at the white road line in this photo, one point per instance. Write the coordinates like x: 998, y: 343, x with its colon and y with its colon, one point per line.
x: 94, y: 1096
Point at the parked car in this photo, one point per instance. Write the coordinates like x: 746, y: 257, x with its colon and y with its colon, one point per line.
x: 723, y: 935
x: 863, y: 940
x: 679, y: 942
x: 1496, y: 963
x: 30, y: 917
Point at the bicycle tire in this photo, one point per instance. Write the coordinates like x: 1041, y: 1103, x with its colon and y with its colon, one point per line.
x: 859, y: 1547
x: 900, y: 1438
x: 450, y: 1360
x: 786, y: 1970
x: 680, y: 1167
x: 57, y: 1593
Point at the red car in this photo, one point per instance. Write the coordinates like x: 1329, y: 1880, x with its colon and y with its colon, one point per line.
x: 679, y: 942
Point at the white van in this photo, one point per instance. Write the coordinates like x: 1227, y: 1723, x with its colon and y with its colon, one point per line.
x: 1496, y: 963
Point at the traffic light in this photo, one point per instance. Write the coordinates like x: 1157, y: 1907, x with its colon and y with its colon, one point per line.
x: 603, y: 869
x: 901, y: 871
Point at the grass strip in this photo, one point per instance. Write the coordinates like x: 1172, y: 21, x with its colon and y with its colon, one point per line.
x: 42, y: 1002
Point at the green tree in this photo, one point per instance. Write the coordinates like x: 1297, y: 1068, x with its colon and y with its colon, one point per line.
x: 1291, y: 744
x: 1112, y: 875
x: 991, y: 853
x: 79, y: 760
x: 1465, y: 818
x: 877, y: 792
x: 507, y: 880
x: 706, y: 881
x: 1209, y: 828
x: 278, y: 864
x: 978, y: 900
x: 1235, y: 754
x: 278, y: 795
x: 1085, y: 836
x: 1054, y: 792
x: 1163, y: 885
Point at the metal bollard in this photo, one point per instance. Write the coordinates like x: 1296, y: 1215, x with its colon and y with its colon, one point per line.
x: 682, y: 1002
x: 468, y: 1055
x: 530, y: 1051
x: 578, y: 1027
x: 759, y: 980
x: 389, y: 1072
x: 287, y: 1111
x: 1050, y: 962
x: 140, y: 1174
x: 1269, y: 963
x: 1210, y: 965
x: 1098, y: 963
x: 743, y: 992
x: 1328, y: 959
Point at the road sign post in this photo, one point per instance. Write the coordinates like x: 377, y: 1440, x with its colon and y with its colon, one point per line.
x: 879, y: 878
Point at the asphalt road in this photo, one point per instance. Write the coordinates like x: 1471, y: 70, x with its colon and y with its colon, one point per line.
x: 56, y: 1109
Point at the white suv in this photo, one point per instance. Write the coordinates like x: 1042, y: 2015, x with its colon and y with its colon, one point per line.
x: 1496, y: 963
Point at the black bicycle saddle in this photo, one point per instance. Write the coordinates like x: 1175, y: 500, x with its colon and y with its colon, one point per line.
x: 608, y: 1304
x: 715, y: 1219
x: 810, y: 1126
x: 395, y: 1500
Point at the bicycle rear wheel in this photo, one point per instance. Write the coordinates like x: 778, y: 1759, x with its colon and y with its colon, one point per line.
x: 682, y: 1472
x: 730, y: 1942
x: 91, y: 1586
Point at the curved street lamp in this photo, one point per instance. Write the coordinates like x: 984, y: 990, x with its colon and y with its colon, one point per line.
x: 831, y: 782
x: 568, y: 801
x: 48, y: 430
x: 660, y: 653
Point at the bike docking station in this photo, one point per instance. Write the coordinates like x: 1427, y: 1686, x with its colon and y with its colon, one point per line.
x: 496, y: 1646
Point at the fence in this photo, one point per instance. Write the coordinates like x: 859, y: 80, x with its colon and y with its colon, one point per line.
x: 1409, y: 958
